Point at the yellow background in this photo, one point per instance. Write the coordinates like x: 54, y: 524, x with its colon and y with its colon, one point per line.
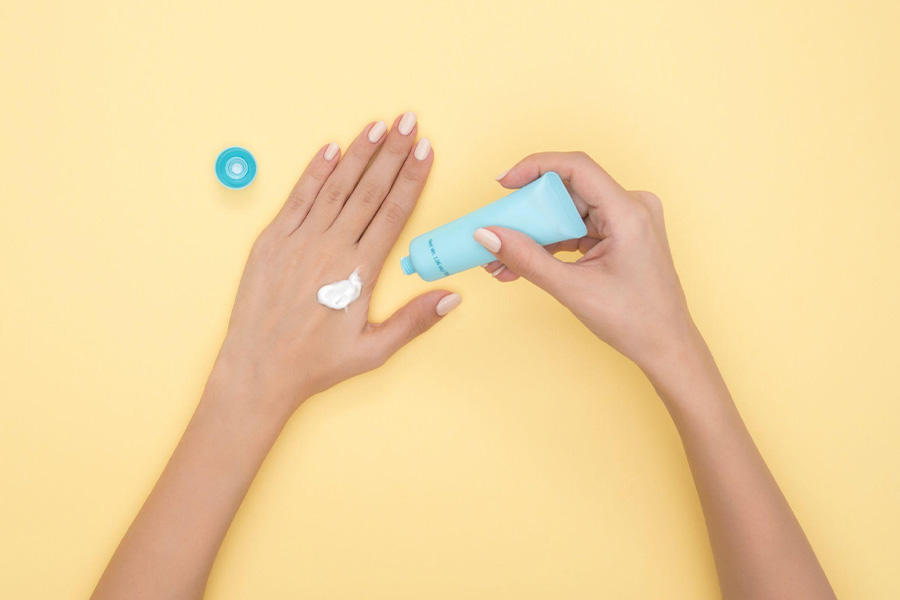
x: 507, y: 454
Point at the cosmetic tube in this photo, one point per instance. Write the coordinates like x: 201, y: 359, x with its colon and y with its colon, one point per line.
x: 542, y: 210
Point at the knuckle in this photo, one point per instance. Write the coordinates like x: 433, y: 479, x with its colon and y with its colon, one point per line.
x: 523, y: 264
x: 639, y: 220
x: 649, y: 199
x: 394, y: 213
x: 420, y: 322
x: 371, y: 193
x: 296, y: 201
x: 359, y: 152
x: 319, y: 174
x: 398, y: 150
x: 262, y: 248
x: 582, y: 156
x: 650, y: 206
x: 332, y: 194
x: 414, y: 175
x: 642, y: 212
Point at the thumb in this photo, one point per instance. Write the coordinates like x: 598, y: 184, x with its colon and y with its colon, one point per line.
x: 411, y: 321
x: 523, y: 256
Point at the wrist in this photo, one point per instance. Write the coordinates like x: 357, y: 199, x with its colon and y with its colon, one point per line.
x: 242, y: 412
x: 236, y: 386
x: 672, y: 343
x: 685, y: 375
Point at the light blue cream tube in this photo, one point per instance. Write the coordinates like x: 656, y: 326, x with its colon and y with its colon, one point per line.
x: 542, y: 210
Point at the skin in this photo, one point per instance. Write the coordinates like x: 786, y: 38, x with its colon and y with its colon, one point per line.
x: 624, y: 288
x: 283, y: 347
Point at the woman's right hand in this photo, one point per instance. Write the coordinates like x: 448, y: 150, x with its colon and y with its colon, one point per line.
x: 624, y: 288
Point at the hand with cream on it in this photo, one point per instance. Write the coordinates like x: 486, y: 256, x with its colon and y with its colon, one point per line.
x: 624, y: 288
x: 341, y: 218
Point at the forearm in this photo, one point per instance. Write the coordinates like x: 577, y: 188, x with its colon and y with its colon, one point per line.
x: 170, y: 547
x: 759, y: 547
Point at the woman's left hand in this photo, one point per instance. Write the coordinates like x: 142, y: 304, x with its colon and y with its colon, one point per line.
x: 344, y: 214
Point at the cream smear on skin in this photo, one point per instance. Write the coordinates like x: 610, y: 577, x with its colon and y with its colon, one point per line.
x: 340, y: 294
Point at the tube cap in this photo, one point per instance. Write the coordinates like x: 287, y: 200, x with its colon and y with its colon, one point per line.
x: 235, y: 168
x: 407, y: 266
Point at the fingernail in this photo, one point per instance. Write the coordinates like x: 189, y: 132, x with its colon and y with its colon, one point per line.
x: 331, y: 151
x: 488, y: 239
x: 423, y: 149
x: 407, y: 122
x: 377, y: 131
x: 448, y: 303
x: 498, y: 271
x: 502, y: 175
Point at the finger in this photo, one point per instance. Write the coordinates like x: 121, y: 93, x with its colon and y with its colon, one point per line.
x: 573, y: 245
x: 341, y: 183
x: 565, y: 246
x: 382, y: 233
x: 500, y: 272
x: 307, y: 188
x: 523, y: 256
x: 589, y: 182
x: 496, y: 271
x: 584, y: 245
x: 375, y: 184
x: 411, y: 321
x: 506, y: 275
x: 496, y: 268
x: 581, y: 245
x: 492, y: 266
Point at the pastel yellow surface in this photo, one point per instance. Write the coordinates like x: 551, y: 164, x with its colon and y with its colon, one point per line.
x: 507, y: 454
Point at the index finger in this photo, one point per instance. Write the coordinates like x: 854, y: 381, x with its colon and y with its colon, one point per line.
x: 588, y: 181
x: 382, y: 233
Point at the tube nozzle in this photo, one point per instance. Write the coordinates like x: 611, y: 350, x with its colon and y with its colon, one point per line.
x: 407, y: 266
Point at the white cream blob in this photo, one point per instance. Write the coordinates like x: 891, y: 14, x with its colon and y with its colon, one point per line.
x: 340, y: 294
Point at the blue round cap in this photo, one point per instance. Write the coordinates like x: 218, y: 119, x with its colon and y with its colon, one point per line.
x: 235, y: 168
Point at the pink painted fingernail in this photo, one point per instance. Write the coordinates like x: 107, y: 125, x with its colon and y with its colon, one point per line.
x: 377, y: 131
x: 502, y: 175
x: 448, y: 303
x: 498, y: 271
x: 407, y: 122
x: 488, y: 239
x: 423, y: 149
x: 331, y: 151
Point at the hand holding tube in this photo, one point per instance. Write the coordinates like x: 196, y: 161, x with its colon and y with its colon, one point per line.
x: 624, y: 288
x: 542, y: 210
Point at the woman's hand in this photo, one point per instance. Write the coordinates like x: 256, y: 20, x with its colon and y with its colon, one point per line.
x: 345, y: 213
x: 624, y: 287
